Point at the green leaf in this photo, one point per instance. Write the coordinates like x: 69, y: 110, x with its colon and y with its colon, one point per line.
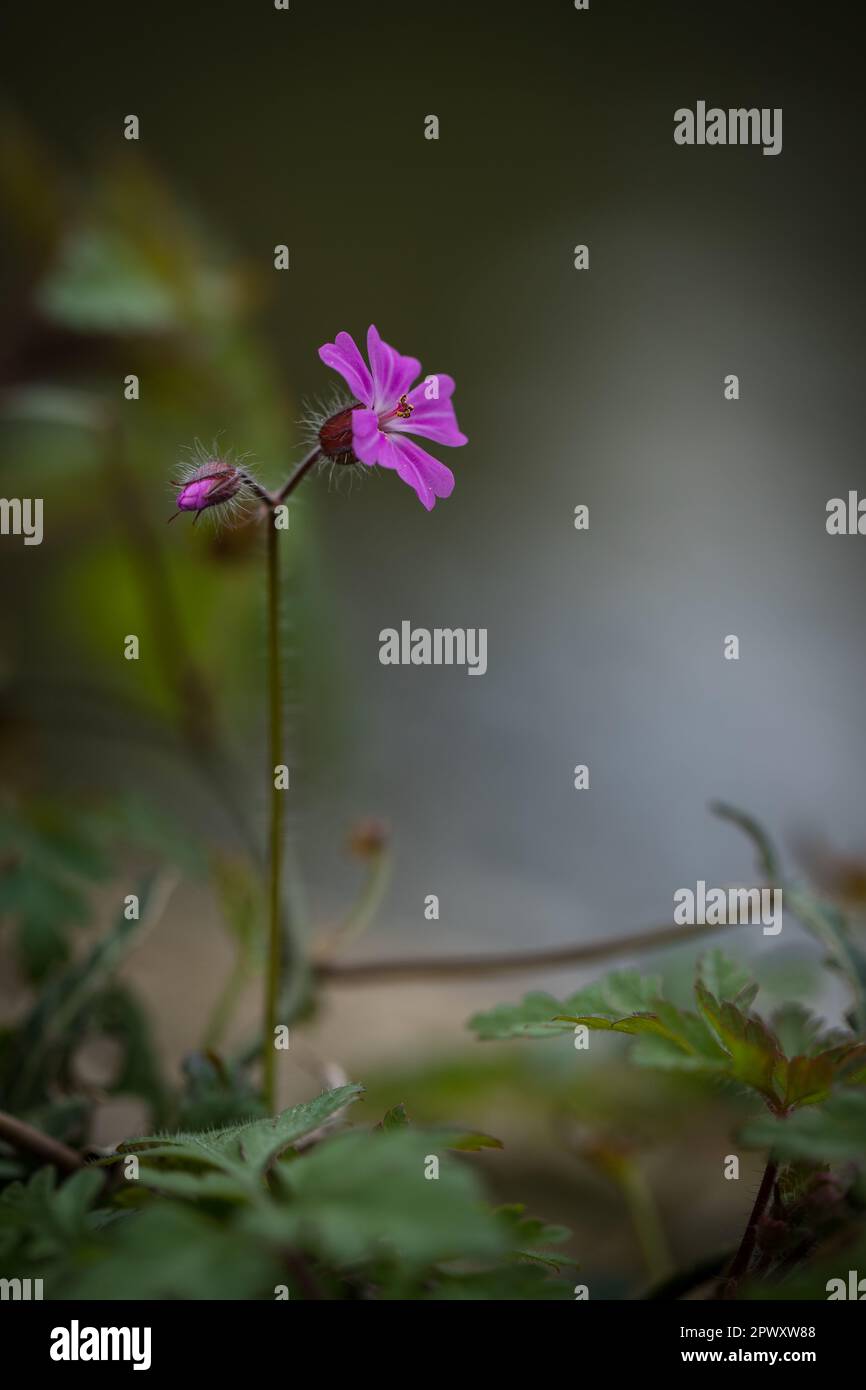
x: 466, y: 1141
x: 41, y: 1220
x: 753, y: 1050
x: 802, y: 1033
x: 217, y: 1093
x: 244, y: 1152
x: 366, y: 1195
x: 533, y: 1017
x: 173, y: 1251
x: 395, y: 1118
x: 835, y: 1133
x: 727, y: 979
x: 724, y: 1039
x: 459, y: 1139
x: 528, y: 1232
x: 805, y: 1080
x: 540, y: 1015
x: 684, y: 1043
x: 198, y: 1186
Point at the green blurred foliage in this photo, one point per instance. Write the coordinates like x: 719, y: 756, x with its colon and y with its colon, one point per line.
x: 122, y: 278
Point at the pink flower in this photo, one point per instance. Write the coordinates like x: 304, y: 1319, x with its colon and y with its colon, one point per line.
x: 376, y: 428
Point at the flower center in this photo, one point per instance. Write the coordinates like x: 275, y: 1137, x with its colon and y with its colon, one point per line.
x: 402, y: 410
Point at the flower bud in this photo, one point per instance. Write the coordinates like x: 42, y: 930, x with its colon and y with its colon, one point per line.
x: 210, y: 484
x: 335, y: 437
x: 369, y: 838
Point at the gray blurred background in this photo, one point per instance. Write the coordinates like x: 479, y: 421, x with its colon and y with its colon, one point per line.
x: 604, y: 388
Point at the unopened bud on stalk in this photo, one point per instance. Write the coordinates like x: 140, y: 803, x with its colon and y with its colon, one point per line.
x: 335, y: 437
x: 211, y: 481
x: 368, y: 838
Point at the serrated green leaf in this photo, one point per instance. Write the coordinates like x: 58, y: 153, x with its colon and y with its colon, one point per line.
x: 244, y: 1152
x: 753, y: 1050
x: 533, y: 1017
x: 366, y: 1195
x: 540, y: 1015
x: 395, y: 1118
x: 528, y: 1232
x: 804, y: 1080
x: 171, y: 1250
x: 199, y: 1186
x: 802, y: 1033
x: 726, y: 978
x: 833, y: 1133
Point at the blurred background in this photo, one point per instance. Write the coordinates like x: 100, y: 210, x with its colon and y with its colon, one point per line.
x: 605, y: 387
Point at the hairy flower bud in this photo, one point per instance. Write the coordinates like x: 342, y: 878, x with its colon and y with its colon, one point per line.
x: 217, y: 483
x: 335, y: 437
x: 211, y: 483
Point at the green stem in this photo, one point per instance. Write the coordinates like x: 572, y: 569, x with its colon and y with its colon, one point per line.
x: 364, y: 911
x: 646, y: 1222
x: 273, y: 968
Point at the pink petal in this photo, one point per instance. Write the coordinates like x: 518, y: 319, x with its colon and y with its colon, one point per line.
x: 393, y: 374
x: 366, y: 435
x: 429, y: 477
x: 432, y: 419
x: 345, y: 357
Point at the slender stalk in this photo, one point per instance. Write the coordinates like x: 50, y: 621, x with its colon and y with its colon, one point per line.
x: 274, y: 966
x: 298, y: 476
x: 511, y: 962
x: 273, y: 969
x: 28, y: 1140
x: 646, y: 1220
x: 742, y: 1259
x: 365, y: 909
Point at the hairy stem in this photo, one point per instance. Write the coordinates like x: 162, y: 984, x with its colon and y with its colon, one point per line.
x: 742, y: 1259
x: 273, y: 970
x: 511, y: 962
x: 297, y: 477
